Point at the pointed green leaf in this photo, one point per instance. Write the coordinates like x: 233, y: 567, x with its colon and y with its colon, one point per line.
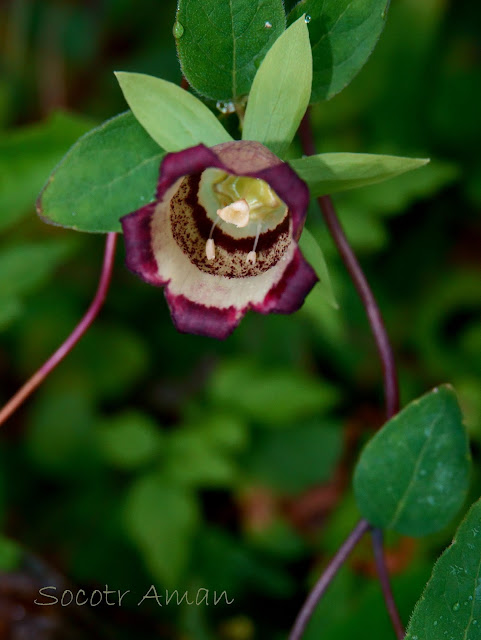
x: 161, y: 519
x: 450, y: 606
x: 331, y: 172
x: 413, y: 475
x: 173, y: 117
x: 109, y: 172
x: 281, y: 90
x: 313, y: 254
x: 343, y: 34
x: 222, y: 42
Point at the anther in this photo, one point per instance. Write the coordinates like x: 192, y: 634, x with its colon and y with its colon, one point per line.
x: 210, y: 249
x: 251, y: 257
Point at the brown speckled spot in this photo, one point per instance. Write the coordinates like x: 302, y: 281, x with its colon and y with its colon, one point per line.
x: 191, y: 227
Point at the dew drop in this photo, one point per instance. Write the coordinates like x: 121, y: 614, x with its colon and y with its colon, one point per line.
x: 456, y: 606
x: 225, y: 107
x: 267, y: 24
x: 435, y: 623
x: 307, y: 18
x: 74, y: 213
x: 178, y: 30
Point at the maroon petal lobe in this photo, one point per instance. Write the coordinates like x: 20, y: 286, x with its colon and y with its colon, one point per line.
x: 191, y: 317
x: 289, y: 293
x: 139, y: 256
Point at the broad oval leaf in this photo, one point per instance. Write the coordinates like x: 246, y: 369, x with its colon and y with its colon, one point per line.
x: 343, y: 34
x: 450, y: 606
x: 161, y: 519
x: 281, y: 91
x: 109, y: 172
x: 173, y: 117
x: 223, y: 42
x: 413, y: 475
x: 331, y: 172
x: 314, y: 255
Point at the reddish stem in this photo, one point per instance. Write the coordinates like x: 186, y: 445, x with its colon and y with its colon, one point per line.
x: 391, y: 387
x: 391, y: 391
x: 383, y: 575
x: 38, y: 377
x: 325, y: 580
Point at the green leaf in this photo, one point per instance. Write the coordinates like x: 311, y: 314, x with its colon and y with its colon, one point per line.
x: 270, y: 396
x: 343, y: 34
x: 313, y: 254
x: 161, y: 519
x: 60, y: 435
x: 224, y: 41
x: 330, y: 172
x: 26, y: 157
x: 281, y: 90
x: 191, y: 460
x: 130, y: 439
x: 294, y: 459
x: 10, y: 555
x: 10, y: 310
x: 173, y: 117
x: 108, y: 173
x: 413, y: 475
x: 26, y: 267
x: 450, y: 606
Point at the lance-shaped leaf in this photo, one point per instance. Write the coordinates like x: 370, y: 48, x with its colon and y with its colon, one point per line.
x: 450, y: 606
x: 222, y: 42
x: 343, y: 34
x: 108, y: 173
x: 281, y: 91
x: 314, y: 255
x: 173, y: 117
x: 413, y: 475
x: 331, y: 172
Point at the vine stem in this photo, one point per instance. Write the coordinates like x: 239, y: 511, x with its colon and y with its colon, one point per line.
x: 326, y: 578
x: 391, y: 392
x: 383, y: 575
x: 36, y: 380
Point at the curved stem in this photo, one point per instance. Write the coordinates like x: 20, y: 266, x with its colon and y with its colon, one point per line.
x: 391, y: 392
x: 38, y: 377
x: 326, y: 578
x: 391, y: 388
x: 383, y: 575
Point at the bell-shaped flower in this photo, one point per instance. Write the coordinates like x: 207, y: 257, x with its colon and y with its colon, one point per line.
x: 221, y: 236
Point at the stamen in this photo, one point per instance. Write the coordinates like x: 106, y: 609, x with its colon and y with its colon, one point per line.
x: 210, y: 245
x: 251, y: 257
x: 236, y: 213
x: 210, y: 249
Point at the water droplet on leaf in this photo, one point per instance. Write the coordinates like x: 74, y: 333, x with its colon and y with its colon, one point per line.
x: 178, y: 30
x: 307, y: 18
x: 225, y: 107
x: 267, y: 24
x: 456, y: 606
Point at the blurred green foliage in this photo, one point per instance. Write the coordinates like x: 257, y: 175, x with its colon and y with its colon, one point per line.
x: 153, y: 457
